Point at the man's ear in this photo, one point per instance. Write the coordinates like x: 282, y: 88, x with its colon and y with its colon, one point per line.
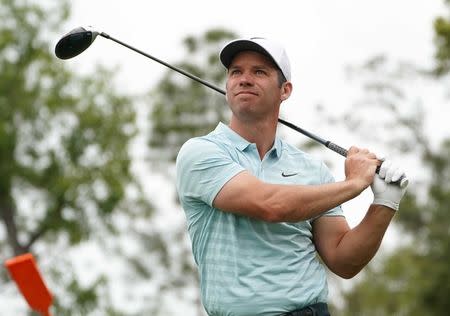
x: 286, y: 90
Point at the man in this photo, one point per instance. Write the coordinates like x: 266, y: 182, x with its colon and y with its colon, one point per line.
x: 260, y: 210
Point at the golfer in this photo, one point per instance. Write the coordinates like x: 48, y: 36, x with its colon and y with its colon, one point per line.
x: 264, y: 217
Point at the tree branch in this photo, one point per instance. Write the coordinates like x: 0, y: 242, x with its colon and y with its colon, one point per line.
x: 8, y: 217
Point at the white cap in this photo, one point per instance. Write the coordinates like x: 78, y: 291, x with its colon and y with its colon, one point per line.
x: 271, y: 49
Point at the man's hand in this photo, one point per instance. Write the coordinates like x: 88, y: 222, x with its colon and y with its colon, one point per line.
x: 360, y: 166
x: 386, y: 192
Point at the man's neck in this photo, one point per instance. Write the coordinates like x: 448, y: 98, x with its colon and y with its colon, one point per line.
x: 262, y: 133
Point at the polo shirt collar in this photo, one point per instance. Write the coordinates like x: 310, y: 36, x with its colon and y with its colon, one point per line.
x: 241, y: 143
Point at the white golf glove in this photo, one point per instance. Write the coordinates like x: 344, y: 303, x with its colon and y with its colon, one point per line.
x: 385, y: 191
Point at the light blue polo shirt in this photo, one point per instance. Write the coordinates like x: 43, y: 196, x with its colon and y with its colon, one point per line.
x: 248, y: 266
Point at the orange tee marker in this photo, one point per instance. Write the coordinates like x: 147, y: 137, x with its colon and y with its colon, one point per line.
x: 25, y: 273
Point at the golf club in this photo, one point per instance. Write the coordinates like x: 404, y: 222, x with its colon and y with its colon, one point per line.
x: 80, y: 38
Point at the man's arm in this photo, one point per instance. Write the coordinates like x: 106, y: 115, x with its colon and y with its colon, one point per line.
x: 246, y: 195
x: 346, y: 251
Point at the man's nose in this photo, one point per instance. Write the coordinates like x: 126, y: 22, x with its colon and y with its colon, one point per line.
x: 246, y: 79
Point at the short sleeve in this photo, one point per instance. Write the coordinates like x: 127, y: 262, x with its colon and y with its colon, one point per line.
x: 202, y: 169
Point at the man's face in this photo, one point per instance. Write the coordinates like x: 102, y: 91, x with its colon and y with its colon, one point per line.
x: 253, y: 90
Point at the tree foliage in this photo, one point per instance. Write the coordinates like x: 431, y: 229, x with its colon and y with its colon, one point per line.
x: 415, y: 278
x: 66, y: 179
x: 442, y: 40
x: 64, y: 138
x: 183, y: 108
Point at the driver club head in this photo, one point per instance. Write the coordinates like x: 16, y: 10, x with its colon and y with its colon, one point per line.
x: 75, y: 42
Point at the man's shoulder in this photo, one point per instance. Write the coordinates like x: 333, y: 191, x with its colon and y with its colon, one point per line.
x: 200, y: 142
x: 202, y: 146
x: 215, y: 138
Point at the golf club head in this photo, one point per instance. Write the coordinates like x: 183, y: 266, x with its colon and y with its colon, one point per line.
x: 75, y: 42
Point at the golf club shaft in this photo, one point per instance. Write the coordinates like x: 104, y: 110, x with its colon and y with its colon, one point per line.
x: 181, y: 71
x: 328, y: 144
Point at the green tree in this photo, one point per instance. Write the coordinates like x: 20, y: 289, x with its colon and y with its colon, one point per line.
x: 415, y: 278
x: 442, y: 35
x: 65, y: 175
x: 183, y: 108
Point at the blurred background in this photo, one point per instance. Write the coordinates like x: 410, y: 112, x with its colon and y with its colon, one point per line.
x: 87, y: 145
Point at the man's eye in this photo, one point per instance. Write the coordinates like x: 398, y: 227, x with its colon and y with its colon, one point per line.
x: 234, y: 72
x: 260, y: 72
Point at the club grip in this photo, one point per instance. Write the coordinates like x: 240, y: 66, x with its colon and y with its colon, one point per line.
x: 336, y: 148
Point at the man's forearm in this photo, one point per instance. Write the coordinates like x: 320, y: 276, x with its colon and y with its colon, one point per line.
x: 247, y: 195
x: 359, y: 245
x: 299, y: 203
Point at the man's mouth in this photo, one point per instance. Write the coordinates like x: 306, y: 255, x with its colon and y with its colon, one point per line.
x: 246, y: 92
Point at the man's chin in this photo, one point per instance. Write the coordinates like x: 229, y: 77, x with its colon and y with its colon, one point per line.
x: 249, y: 113
x: 246, y: 99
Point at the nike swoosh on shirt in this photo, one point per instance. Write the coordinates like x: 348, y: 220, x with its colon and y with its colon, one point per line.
x: 286, y: 174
